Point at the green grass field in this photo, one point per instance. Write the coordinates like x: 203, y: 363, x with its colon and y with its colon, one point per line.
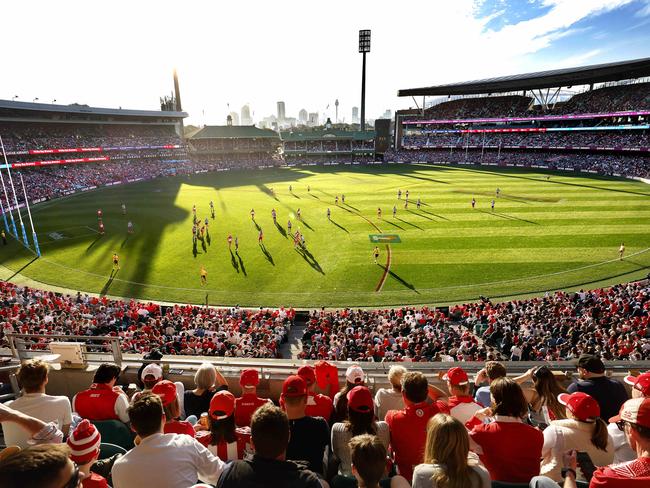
x: 561, y: 233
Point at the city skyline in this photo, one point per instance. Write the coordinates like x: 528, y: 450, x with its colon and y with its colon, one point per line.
x: 468, y: 39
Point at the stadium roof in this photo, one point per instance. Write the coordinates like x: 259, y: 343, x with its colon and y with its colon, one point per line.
x: 234, y: 131
x: 584, y: 75
x: 85, y: 109
x: 311, y: 135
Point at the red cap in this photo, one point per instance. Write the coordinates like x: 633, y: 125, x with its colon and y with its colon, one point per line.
x: 360, y: 400
x: 584, y: 407
x: 294, y: 386
x: 249, y: 377
x: 635, y: 411
x: 641, y: 383
x: 222, y: 405
x: 307, y: 373
x: 456, y: 376
x: 166, y: 390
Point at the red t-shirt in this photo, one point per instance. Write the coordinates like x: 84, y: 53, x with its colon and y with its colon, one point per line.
x: 94, y: 481
x: 245, y: 407
x: 319, y: 406
x: 408, y: 433
x: 179, y: 427
x: 511, y: 450
x: 633, y: 474
x: 96, y: 403
x: 228, y: 451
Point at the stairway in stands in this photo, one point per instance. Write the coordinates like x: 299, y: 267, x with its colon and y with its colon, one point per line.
x: 293, y: 346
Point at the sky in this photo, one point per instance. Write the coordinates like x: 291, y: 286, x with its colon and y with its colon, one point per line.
x: 231, y: 53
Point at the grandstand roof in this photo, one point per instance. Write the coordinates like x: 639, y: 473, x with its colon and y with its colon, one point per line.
x: 85, y: 109
x: 311, y: 135
x: 584, y: 75
x: 234, y: 131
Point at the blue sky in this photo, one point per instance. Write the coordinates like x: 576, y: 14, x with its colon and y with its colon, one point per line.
x: 301, y: 52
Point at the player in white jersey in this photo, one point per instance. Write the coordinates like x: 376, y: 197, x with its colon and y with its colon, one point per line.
x: 274, y: 215
x: 336, y: 200
x: 212, y: 208
x: 492, y: 205
x: 418, y: 204
x: 123, y: 209
x: 399, y: 194
x: 129, y: 227
x: 621, y: 251
x: 252, y: 214
x: 378, y: 212
x: 229, y: 239
x: 394, y: 210
x: 289, y: 226
x: 473, y: 202
x: 298, y: 214
x: 329, y: 214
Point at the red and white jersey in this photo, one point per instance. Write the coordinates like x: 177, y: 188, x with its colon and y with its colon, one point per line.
x: 632, y: 474
x: 462, y: 407
x: 229, y: 451
x: 245, y: 407
x: 101, y: 402
x: 319, y: 406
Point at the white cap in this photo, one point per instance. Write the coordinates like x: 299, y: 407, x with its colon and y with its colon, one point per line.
x: 152, y: 369
x: 355, y: 375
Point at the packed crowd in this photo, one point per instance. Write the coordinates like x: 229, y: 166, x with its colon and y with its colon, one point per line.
x: 635, y: 96
x: 327, y: 158
x: 480, y: 107
x: 320, y: 146
x: 526, y: 431
x: 142, y: 327
x: 269, y: 145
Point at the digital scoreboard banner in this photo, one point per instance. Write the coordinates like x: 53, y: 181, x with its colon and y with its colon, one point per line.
x: 384, y: 238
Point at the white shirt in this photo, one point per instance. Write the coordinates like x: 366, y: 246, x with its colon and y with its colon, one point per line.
x: 387, y: 399
x: 622, y: 450
x: 423, y: 473
x: 166, y: 461
x: 44, y: 407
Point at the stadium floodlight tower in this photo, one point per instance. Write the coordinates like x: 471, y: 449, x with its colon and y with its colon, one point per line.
x: 364, y: 47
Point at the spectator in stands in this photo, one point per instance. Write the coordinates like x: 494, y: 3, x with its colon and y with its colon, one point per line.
x: 246, y: 405
x: 408, y: 426
x: 543, y: 402
x: 582, y: 430
x: 361, y: 420
x: 84, y: 443
x: 162, y: 460
x: 318, y: 405
x: 46, y: 466
x: 368, y: 455
x: 39, y: 432
x: 492, y: 371
x: 166, y: 390
x: 151, y: 374
x: 309, y: 435
x: 390, y: 398
x: 208, y: 380
x: 622, y: 450
x: 103, y: 400
x: 448, y: 461
x: 354, y: 376
x: 460, y: 403
x: 225, y: 440
x: 609, y: 393
x: 508, y: 448
x: 269, y: 468
x: 33, y: 377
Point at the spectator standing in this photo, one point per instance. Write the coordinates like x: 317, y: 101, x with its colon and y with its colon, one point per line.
x: 581, y: 430
x: 609, y: 393
x: 269, y: 468
x: 460, y: 403
x: 246, y: 405
x: 103, y: 400
x: 361, y: 420
x: 84, y: 443
x: 309, y: 435
x: 168, y: 394
x: 447, y: 458
x: 508, y: 448
x: 408, y: 426
x: 162, y: 460
x: 390, y: 398
x: 492, y: 371
x: 318, y: 405
x: 33, y: 378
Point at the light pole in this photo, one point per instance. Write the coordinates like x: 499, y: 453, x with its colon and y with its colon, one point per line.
x: 364, y: 47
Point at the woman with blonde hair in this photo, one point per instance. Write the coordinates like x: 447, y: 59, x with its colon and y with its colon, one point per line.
x: 448, y: 462
x: 208, y: 381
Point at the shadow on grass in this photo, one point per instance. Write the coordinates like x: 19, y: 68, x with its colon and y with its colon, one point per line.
x: 420, y: 215
x: 394, y: 224
x: 400, y: 280
x: 353, y: 208
x: 309, y: 258
x: 126, y: 239
x: 409, y: 223
x: 340, y: 226
x: 108, y: 284
x: 507, y: 217
x: 266, y: 253
x: 257, y: 226
x: 234, y: 262
x: 97, y: 238
x: 23, y: 267
x: 435, y: 215
x: 241, y: 263
x: 281, y: 230
x: 306, y: 224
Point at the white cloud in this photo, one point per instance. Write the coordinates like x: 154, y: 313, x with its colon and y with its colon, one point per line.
x: 644, y: 11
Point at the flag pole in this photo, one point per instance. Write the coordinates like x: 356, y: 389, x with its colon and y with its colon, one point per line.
x: 11, y: 215
x: 13, y: 189
x: 29, y: 213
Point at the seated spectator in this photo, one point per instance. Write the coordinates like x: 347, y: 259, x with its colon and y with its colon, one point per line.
x: 162, y: 460
x: 39, y: 432
x: 390, y: 398
x: 408, y: 426
x: 460, y: 403
x: 368, y: 455
x: 151, y: 375
x: 269, y: 468
x: 318, y: 405
x: 354, y: 376
x: 622, y: 450
x: 225, y: 440
x: 208, y: 380
x: 33, y: 377
x: 45, y: 466
x: 103, y: 400
x: 609, y: 393
x: 246, y: 405
x: 309, y: 435
x: 84, y: 443
x: 492, y: 371
x: 361, y: 420
x: 166, y: 390
x: 447, y: 459
x: 581, y: 430
x: 543, y: 402
x: 508, y: 448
